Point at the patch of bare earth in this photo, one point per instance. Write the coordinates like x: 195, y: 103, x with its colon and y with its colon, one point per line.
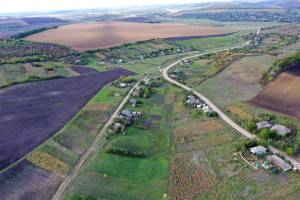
x: 282, y: 95
x: 98, y: 106
x: 85, y: 36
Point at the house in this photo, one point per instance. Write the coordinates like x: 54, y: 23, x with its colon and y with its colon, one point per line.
x: 133, y: 102
x: 130, y: 115
x: 118, y: 128
x: 258, y: 150
x: 127, y: 113
x: 206, y: 109
x: 281, y: 130
x: 192, y: 101
x: 263, y: 124
x: 137, y: 91
x: 279, y: 162
x: 122, y: 85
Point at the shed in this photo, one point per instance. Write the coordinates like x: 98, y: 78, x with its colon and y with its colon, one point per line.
x: 258, y: 150
x: 281, y: 130
x: 279, y: 162
x: 263, y: 124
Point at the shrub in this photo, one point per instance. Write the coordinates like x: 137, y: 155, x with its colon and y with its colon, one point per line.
x: 290, y: 151
x: 126, y: 152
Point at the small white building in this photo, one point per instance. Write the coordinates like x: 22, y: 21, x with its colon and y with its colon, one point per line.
x: 258, y: 150
x: 263, y: 124
x: 281, y: 130
x: 122, y: 85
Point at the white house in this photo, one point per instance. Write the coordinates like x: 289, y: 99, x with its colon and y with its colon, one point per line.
x: 258, y: 150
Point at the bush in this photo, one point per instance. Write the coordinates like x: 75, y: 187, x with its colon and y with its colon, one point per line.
x: 250, y: 126
x: 290, y: 151
x: 126, y: 152
x: 250, y: 143
x: 267, y: 134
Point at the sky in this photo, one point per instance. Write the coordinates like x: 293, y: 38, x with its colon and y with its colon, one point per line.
x: 7, y: 6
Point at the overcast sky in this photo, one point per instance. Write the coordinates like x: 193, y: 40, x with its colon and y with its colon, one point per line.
x: 48, y: 5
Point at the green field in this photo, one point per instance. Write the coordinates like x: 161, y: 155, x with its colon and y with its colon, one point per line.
x: 18, y: 73
x: 212, y: 43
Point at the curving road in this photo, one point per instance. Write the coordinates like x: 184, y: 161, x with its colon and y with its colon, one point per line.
x: 227, y: 119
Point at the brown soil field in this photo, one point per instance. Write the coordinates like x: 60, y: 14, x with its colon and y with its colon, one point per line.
x: 86, y: 36
x: 282, y: 95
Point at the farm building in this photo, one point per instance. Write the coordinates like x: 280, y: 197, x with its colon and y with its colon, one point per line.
x: 258, y: 150
x: 263, y: 124
x: 137, y: 91
x: 122, y: 85
x: 133, y: 102
x: 279, y: 162
x: 281, y: 130
x: 118, y: 128
x: 207, y: 110
x: 192, y: 101
x: 130, y: 114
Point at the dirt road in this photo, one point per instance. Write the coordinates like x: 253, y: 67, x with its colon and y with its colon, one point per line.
x: 90, y: 151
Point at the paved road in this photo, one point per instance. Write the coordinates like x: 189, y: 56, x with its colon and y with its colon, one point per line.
x: 227, y: 119
x: 90, y: 151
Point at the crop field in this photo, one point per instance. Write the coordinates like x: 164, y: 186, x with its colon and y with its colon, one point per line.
x: 108, y: 34
x: 25, y: 181
x: 42, y: 108
x: 281, y: 95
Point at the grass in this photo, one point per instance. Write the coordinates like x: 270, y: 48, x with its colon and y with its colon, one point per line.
x: 212, y: 43
x: 18, y: 73
x: 238, y: 82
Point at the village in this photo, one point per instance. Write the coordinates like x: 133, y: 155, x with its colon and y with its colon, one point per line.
x: 128, y: 115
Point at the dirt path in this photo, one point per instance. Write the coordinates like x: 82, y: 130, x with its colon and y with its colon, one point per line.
x: 222, y: 115
x: 90, y: 151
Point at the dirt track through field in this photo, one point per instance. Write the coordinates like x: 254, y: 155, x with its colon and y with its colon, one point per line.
x: 108, y: 34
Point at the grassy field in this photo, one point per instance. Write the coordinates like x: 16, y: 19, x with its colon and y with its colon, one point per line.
x: 17, y: 73
x: 213, y: 43
x: 238, y: 82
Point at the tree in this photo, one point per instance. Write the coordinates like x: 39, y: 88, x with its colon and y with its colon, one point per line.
x: 290, y: 151
x: 251, y: 126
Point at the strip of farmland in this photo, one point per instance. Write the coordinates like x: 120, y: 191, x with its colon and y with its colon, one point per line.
x: 32, y: 113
